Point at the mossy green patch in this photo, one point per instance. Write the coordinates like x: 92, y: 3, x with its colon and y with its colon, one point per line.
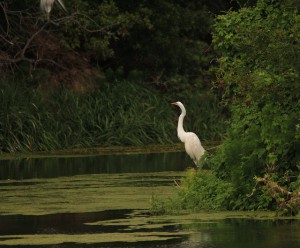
x: 138, y: 220
x: 55, y: 239
x: 85, y: 193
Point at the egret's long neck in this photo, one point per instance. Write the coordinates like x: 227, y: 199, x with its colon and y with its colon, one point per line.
x: 180, y: 131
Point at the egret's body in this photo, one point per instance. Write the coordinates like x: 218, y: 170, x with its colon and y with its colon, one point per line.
x: 46, y: 6
x: 191, y: 141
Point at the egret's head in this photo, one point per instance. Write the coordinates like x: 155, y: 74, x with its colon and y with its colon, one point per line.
x: 180, y: 105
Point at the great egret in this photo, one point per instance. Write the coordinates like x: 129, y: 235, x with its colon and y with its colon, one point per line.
x: 46, y: 6
x: 191, y: 141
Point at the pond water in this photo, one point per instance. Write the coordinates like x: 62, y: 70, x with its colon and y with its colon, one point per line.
x: 103, y: 201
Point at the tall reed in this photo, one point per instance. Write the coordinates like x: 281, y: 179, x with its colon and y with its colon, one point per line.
x: 118, y: 113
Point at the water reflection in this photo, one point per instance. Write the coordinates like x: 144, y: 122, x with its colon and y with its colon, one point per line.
x: 236, y: 233
x: 228, y: 233
x: 61, y: 223
x: 56, y: 167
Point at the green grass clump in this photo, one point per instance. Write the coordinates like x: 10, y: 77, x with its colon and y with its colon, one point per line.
x: 116, y: 113
x: 198, y: 190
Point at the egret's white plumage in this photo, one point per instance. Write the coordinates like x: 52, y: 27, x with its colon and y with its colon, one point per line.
x: 191, y: 141
x: 46, y: 6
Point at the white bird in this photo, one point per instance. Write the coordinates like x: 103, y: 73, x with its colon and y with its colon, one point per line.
x: 191, y: 141
x: 46, y: 6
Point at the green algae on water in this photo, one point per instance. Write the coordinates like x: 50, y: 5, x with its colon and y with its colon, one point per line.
x: 84, y: 193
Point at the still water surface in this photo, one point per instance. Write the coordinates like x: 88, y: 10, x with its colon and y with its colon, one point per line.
x: 103, y: 201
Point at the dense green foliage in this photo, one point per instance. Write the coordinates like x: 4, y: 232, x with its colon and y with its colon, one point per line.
x: 259, y: 74
x: 160, y: 41
x: 199, y: 190
x: 259, y: 70
x: 165, y: 42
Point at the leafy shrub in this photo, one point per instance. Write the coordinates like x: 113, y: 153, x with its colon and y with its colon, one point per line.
x: 198, y: 190
x: 259, y: 74
x: 203, y: 190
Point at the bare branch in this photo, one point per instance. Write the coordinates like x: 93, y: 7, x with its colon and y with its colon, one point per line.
x: 31, y: 39
x: 6, y: 40
x: 274, y: 186
x: 22, y: 40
